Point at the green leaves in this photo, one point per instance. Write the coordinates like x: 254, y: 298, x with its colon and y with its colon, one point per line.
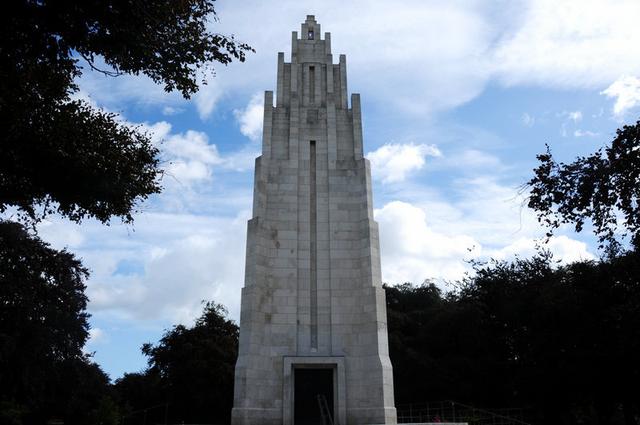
x: 563, y: 341
x: 191, y: 369
x: 43, y: 328
x: 603, y: 188
x: 62, y: 156
x: 80, y: 163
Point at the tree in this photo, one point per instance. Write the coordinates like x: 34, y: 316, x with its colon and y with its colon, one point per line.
x: 43, y: 327
x: 62, y: 155
x: 190, y: 371
x: 603, y: 187
x: 561, y: 341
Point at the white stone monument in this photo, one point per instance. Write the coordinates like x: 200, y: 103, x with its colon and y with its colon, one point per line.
x: 313, y: 325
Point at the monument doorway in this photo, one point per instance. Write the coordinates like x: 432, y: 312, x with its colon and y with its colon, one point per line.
x: 304, y: 378
x: 313, y: 394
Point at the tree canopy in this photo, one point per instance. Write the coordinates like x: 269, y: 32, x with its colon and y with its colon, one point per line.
x: 190, y: 372
x: 43, y: 328
x: 603, y: 188
x: 560, y: 342
x: 59, y: 154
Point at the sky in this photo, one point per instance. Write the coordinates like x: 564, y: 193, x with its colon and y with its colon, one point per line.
x: 458, y: 97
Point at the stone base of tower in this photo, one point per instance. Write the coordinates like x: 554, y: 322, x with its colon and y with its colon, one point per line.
x: 375, y: 416
x: 264, y: 416
x: 359, y: 374
x: 355, y: 394
x: 366, y: 416
x: 256, y: 416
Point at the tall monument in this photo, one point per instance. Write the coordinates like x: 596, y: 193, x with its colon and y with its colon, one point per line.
x: 313, y: 324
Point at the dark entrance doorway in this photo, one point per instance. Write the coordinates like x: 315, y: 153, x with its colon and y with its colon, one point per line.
x: 309, y: 384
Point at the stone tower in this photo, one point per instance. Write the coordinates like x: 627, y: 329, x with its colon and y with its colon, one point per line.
x: 313, y: 325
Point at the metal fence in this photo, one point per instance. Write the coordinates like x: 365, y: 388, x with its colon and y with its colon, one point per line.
x: 450, y: 411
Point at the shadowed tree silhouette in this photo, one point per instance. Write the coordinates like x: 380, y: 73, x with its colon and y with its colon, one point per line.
x: 43, y: 327
x: 62, y: 155
x: 603, y: 188
x: 190, y: 371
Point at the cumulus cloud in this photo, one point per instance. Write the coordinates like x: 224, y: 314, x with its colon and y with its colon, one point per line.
x: 175, y: 261
x: 190, y: 157
x: 564, y: 249
x: 392, y: 162
x: 192, y: 145
x: 626, y: 91
x: 413, y: 250
x: 417, y: 243
x: 250, y: 118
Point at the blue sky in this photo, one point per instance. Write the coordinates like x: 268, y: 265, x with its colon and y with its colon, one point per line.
x: 458, y: 98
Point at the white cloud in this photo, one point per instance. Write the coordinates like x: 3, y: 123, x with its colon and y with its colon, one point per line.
x: 527, y: 120
x: 573, y: 44
x: 59, y: 236
x: 171, y: 110
x: 192, y: 145
x: 626, y: 91
x: 436, y: 241
x: 412, y: 250
x: 474, y: 159
x: 391, y: 162
x: 585, y: 133
x: 250, y: 118
x: 563, y: 248
x: 419, y: 76
x: 575, y: 116
x: 243, y: 159
x: 188, y: 171
x: 189, y: 157
x: 97, y: 336
x: 208, y: 96
x: 570, y: 44
x: 180, y: 260
x: 476, y: 212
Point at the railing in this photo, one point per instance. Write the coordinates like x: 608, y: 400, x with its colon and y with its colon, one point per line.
x: 450, y: 411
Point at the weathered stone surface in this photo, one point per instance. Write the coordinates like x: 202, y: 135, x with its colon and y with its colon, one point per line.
x: 313, y: 295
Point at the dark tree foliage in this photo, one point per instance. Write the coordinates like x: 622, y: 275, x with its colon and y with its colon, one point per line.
x: 141, y: 394
x: 562, y: 342
x: 58, y: 155
x: 440, y: 349
x: 603, y: 187
x: 190, y: 372
x: 43, y: 327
